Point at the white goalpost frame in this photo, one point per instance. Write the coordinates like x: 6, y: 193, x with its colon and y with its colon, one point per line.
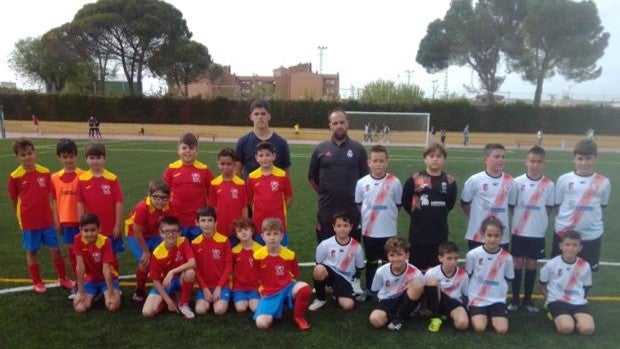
x: 399, y: 114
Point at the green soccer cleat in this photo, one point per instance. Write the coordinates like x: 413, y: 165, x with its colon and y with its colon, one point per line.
x: 435, y: 325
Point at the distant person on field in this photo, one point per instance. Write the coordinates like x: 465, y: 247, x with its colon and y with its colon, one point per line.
x: 97, y: 267
x: 189, y: 181
x: 539, y: 138
x: 443, y: 136
x: 466, y: 135
x: 141, y: 131
x: 35, y: 123
x: 91, y: 127
x: 486, y: 194
x: 97, y: 128
x: 31, y: 194
x: 580, y: 197
x: 246, y: 277
x: 246, y: 145
x: 565, y: 281
x: 531, y: 203
x: 386, y: 133
x: 433, y: 133
x: 296, y: 128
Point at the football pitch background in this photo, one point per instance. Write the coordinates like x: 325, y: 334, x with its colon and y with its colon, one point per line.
x: 28, y: 320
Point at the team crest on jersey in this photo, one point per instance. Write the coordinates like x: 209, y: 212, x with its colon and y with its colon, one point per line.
x: 41, y: 182
x: 387, y: 283
x: 97, y: 257
x: 280, y: 270
x: 485, y: 187
x: 367, y: 188
x: 251, y: 262
x: 328, y: 154
x: 571, y: 185
x: 333, y: 254
x: 107, y: 190
x: 234, y: 192
x: 178, y: 257
x: 275, y: 185
x: 444, y: 187
x: 560, y: 272
x: 522, y: 187
x: 480, y: 261
x: 195, y: 177
x: 424, y: 200
x: 216, y: 253
x: 350, y: 153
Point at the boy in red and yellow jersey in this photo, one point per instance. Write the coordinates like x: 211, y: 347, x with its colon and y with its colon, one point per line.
x: 227, y: 193
x: 65, y: 186
x: 30, y: 191
x: 245, y: 274
x: 278, y: 285
x: 172, y: 271
x: 99, y: 193
x: 97, y: 267
x: 213, y: 264
x: 189, y: 181
x: 142, y: 229
x: 269, y: 189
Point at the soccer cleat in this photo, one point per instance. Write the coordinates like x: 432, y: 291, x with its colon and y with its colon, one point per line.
x: 549, y: 316
x: 530, y: 307
x: 395, y: 325
x: 186, y: 311
x: 39, y: 288
x: 364, y: 296
x: 316, y: 305
x: 435, y: 324
x: 357, y: 287
x: 513, y: 306
x: 301, y: 323
x: 138, y: 296
x: 72, y: 294
x: 66, y: 284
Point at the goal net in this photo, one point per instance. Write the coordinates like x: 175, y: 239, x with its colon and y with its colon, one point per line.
x: 390, y: 127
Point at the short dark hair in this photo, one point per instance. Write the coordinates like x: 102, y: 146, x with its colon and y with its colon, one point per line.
x: 158, y: 185
x: 491, y: 220
x: 95, y: 149
x: 536, y: 150
x: 88, y: 218
x: 22, y: 144
x: 206, y: 211
x: 169, y: 220
x: 447, y: 247
x: 585, y: 147
x: 189, y: 139
x: 227, y: 152
x: 378, y: 148
x: 489, y: 147
x: 66, y: 146
x: 337, y: 110
x: 264, y: 146
x: 571, y: 234
x: 434, y: 147
x: 396, y: 243
x: 259, y: 103
x: 242, y: 223
x: 344, y: 215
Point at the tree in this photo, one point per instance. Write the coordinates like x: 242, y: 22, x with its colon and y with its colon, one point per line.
x: 471, y: 35
x: 130, y: 31
x: 382, y: 91
x: 181, y: 63
x: 558, y: 36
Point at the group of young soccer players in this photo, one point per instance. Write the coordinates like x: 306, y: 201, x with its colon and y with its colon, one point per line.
x: 194, y: 230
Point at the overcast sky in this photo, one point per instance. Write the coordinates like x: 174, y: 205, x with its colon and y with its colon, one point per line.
x: 366, y: 40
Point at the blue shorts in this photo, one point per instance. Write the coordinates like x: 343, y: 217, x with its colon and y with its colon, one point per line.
x: 69, y: 233
x: 274, y: 305
x: 175, y: 287
x: 224, y: 294
x: 94, y: 288
x: 117, y: 244
x: 191, y: 232
x: 34, y: 238
x: 239, y: 296
x: 259, y: 238
x: 151, y: 243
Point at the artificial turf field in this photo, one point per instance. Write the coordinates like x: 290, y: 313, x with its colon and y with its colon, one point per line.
x: 28, y: 320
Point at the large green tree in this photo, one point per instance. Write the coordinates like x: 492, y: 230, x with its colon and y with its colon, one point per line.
x: 130, y: 31
x: 472, y: 35
x: 181, y: 63
x: 386, y: 91
x: 558, y: 36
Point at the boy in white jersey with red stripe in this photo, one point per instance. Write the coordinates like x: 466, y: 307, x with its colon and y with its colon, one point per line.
x: 565, y: 281
x: 399, y: 286
x: 531, y: 203
x: 339, y: 260
x: 580, y: 198
x: 446, y: 288
x: 378, y: 195
x: 490, y: 268
x: 487, y: 194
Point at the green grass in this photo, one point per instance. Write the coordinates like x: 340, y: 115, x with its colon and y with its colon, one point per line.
x: 31, y: 321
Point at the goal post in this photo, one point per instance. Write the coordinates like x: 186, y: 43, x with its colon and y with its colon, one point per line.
x: 390, y: 127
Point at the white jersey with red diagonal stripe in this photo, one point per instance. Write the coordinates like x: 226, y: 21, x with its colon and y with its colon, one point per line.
x: 487, y: 276
x: 487, y: 196
x: 379, y: 199
x: 343, y: 259
x: 455, y: 286
x: 530, y: 200
x: 388, y: 285
x: 581, y: 199
x: 566, y: 282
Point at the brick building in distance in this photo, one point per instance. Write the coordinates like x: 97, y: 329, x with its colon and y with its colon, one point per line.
x: 297, y: 82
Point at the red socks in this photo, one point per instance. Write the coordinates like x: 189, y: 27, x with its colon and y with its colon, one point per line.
x: 302, y: 300
x: 73, y: 264
x: 186, y: 292
x: 141, y: 278
x: 59, y: 265
x: 35, y: 273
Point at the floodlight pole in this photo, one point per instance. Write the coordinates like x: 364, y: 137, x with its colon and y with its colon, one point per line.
x: 3, y: 130
x: 409, y: 73
x: 321, y: 49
